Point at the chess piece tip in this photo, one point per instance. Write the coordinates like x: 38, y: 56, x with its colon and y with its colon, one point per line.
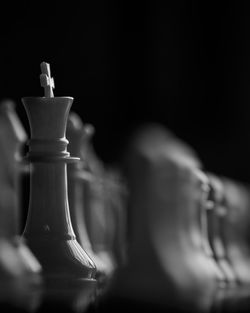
x: 46, y: 81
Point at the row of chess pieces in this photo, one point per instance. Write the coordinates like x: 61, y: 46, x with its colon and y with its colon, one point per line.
x: 156, y: 231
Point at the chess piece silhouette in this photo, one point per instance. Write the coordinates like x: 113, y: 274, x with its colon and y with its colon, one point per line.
x: 48, y: 229
x: 19, y: 269
x: 236, y: 227
x: 166, y: 266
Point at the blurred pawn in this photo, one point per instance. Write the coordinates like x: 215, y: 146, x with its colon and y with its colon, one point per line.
x: 18, y: 267
x: 79, y: 176
x: 216, y: 226
x: 236, y: 228
x: 166, y: 268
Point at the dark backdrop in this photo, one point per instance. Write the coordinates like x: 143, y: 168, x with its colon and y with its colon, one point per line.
x: 185, y: 64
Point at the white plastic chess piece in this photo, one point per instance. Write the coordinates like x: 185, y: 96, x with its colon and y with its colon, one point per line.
x: 20, y: 270
x: 77, y: 177
x: 236, y: 228
x: 216, y: 224
x: 97, y: 214
x: 48, y: 229
x: 166, y: 264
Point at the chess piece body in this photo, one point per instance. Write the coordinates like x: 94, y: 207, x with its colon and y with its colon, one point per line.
x: 48, y: 230
x: 77, y: 176
x: 236, y: 228
x: 19, y: 269
x: 165, y: 241
x: 216, y: 228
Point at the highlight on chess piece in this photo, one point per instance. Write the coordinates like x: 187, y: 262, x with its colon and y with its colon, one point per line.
x: 48, y: 229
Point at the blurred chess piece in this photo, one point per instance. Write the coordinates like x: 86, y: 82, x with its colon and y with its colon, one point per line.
x: 236, y: 227
x: 19, y: 269
x: 205, y: 208
x: 12, y: 138
x: 167, y: 267
x: 98, y: 216
x: 216, y: 227
x: 48, y: 230
x: 76, y: 177
x: 115, y: 199
x: 96, y: 194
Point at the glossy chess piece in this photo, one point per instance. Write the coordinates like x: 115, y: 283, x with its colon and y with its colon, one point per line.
x: 217, y: 212
x: 19, y: 270
x: 48, y: 229
x: 166, y: 267
x: 236, y: 227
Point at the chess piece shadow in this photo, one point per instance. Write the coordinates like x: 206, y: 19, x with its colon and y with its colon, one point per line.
x: 21, y: 281
x: 167, y: 267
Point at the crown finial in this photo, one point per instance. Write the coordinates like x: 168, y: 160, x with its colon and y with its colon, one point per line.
x: 46, y: 81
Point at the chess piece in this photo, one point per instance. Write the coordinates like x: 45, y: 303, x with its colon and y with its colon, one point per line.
x: 216, y: 223
x: 115, y: 198
x: 113, y: 193
x: 166, y: 265
x: 205, y: 208
x: 76, y: 177
x: 96, y: 213
x: 48, y: 229
x: 19, y: 269
x: 12, y: 137
x: 236, y: 227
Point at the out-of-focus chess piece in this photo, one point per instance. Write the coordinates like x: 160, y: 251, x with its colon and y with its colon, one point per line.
x: 115, y: 199
x: 216, y: 213
x: 205, y: 207
x: 167, y: 267
x: 48, y: 230
x: 19, y: 269
x: 236, y: 227
x: 12, y: 137
x: 76, y: 178
x: 98, y: 216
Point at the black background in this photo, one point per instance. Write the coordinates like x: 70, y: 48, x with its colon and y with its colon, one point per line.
x: 185, y: 64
